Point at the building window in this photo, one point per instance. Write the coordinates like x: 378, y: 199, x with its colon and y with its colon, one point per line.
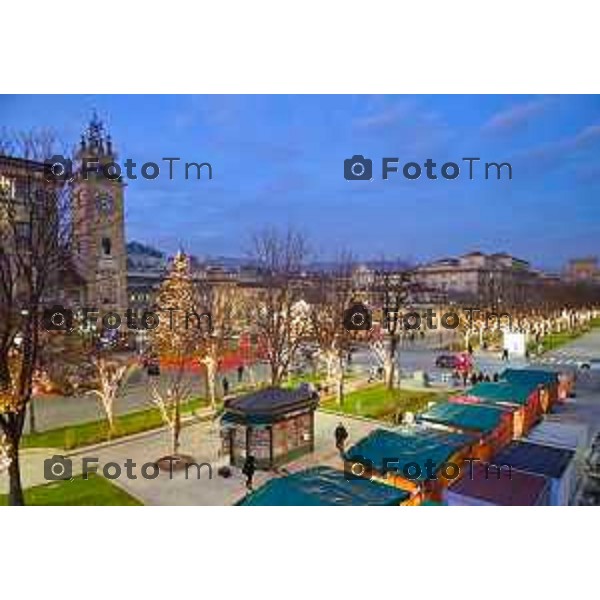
x: 106, y: 246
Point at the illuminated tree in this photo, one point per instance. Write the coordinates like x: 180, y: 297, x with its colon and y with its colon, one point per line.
x: 111, y: 376
x: 35, y: 237
x: 176, y: 340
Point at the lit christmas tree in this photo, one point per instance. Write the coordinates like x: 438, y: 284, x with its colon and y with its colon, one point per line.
x: 175, y: 340
x: 178, y: 332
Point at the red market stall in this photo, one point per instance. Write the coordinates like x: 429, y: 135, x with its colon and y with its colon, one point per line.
x: 547, y: 382
x: 406, y: 458
x: 492, y: 425
x: 524, y: 397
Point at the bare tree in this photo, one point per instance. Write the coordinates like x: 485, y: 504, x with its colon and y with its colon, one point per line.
x: 280, y: 258
x: 222, y: 303
x: 334, y: 294
x: 35, y: 238
x: 390, y: 292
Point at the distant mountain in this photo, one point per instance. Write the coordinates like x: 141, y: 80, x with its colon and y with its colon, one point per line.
x: 142, y: 253
x: 144, y: 250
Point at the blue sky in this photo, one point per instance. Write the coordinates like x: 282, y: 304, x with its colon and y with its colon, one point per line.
x: 278, y: 160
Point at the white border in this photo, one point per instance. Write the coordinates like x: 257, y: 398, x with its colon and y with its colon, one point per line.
x: 281, y: 553
x: 314, y: 46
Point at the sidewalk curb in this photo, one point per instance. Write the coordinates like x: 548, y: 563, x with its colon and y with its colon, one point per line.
x: 185, y: 422
x: 357, y: 418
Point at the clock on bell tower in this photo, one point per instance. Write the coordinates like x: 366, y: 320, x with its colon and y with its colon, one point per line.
x: 98, y: 224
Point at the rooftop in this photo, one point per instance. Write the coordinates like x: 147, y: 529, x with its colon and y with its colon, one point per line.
x: 515, y: 393
x: 535, y: 376
x: 535, y: 458
x: 511, y: 488
x: 272, y: 401
x: 468, y: 417
x: 415, y: 445
x: 324, y: 486
x: 564, y: 435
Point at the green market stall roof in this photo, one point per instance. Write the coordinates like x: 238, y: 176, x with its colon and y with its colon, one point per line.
x: 269, y: 404
x: 515, y: 393
x: 468, y: 417
x: 385, y: 449
x: 529, y: 376
x: 324, y: 486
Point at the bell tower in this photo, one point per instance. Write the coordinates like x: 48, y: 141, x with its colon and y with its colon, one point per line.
x: 98, y: 223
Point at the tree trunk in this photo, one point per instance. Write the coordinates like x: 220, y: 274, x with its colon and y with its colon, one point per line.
x: 176, y: 428
x: 276, y: 375
x: 111, y: 424
x: 211, y: 377
x: 15, y: 494
x: 389, y: 373
x: 31, y: 417
x: 390, y: 366
x: 340, y: 384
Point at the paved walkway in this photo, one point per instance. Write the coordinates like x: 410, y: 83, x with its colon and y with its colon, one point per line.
x: 201, y: 440
x: 583, y: 348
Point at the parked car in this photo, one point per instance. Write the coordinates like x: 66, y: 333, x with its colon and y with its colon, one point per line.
x: 446, y: 361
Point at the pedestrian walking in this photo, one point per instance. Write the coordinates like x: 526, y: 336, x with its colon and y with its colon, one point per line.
x: 225, y: 384
x: 470, y: 350
x: 341, y: 435
x: 240, y: 373
x: 248, y: 470
x: 496, y: 378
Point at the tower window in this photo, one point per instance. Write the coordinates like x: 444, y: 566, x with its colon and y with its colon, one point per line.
x: 106, y: 246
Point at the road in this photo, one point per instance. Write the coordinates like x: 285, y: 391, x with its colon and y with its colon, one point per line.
x: 52, y: 412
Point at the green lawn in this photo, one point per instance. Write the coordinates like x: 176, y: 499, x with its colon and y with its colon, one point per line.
x: 556, y: 340
x: 377, y: 402
x: 319, y: 378
x: 93, y: 432
x: 95, y: 491
x: 595, y: 322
